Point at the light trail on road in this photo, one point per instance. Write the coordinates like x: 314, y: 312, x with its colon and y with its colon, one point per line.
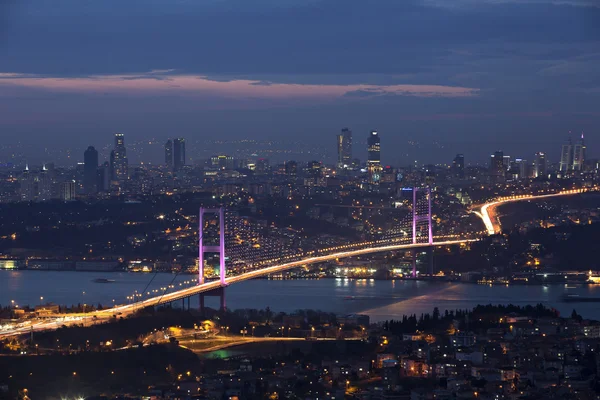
x: 487, y: 212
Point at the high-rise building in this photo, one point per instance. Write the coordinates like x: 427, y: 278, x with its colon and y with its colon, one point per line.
x: 344, y: 148
x: 458, y: 166
x: 103, y: 177
x: 178, y: 153
x: 497, y: 170
x: 374, y: 157
x: 373, y: 148
x: 566, y: 157
x: 119, y: 157
x: 169, y: 153
x: 90, y: 168
x: 579, y: 150
x: 45, y: 183
x: 291, y: 168
x: 222, y: 162
x: 26, y: 183
x: 519, y: 169
x: 36, y: 186
x: 67, y: 191
x: 112, y: 175
x: 262, y: 166
x: 540, y: 165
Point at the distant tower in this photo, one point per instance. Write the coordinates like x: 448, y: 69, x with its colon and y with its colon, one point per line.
x: 103, y: 177
x: 169, y: 153
x: 374, y: 157
x: 497, y: 169
x: 540, y: 168
x: 579, y: 154
x: 458, y: 166
x: 45, y: 182
x: 566, y: 156
x: 90, y: 168
x: 344, y: 148
x: 120, y: 162
x: 27, y: 187
x: 67, y: 191
x: 178, y: 153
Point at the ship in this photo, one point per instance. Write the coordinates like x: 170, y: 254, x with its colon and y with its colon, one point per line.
x: 575, y: 298
x: 103, y: 280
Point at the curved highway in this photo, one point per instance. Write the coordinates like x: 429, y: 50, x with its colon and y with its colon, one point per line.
x: 123, y: 310
x: 487, y: 213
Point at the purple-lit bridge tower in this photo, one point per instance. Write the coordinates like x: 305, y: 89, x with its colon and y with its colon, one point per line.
x: 220, y: 249
x: 422, y: 222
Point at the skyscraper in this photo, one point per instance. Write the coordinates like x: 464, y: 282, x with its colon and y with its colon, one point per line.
x: 178, y: 153
x: 566, y: 157
x: 497, y: 170
x: 119, y: 159
x: 458, y: 166
x: 373, y: 148
x: 103, y: 177
x: 344, y: 148
x: 579, y: 154
x: 169, y: 153
x: 90, y: 168
x: 374, y: 158
x: 540, y: 167
x: 67, y: 191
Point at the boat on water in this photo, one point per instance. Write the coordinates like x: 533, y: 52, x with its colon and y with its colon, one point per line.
x: 103, y: 280
x: 575, y: 298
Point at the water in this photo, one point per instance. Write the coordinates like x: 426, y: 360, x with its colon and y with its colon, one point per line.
x: 379, y: 299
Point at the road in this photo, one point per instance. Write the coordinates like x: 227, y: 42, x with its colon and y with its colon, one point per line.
x: 488, y: 215
x: 124, y: 310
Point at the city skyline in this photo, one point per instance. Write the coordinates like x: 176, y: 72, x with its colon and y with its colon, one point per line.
x: 478, y: 83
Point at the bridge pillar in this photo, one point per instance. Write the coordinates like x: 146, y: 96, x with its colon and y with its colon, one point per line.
x: 414, y: 262
x: 217, y: 249
x: 430, y: 257
x: 220, y: 292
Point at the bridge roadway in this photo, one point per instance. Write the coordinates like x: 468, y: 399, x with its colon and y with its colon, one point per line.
x: 123, y: 310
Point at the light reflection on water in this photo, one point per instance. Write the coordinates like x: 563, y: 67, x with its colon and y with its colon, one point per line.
x: 380, y: 299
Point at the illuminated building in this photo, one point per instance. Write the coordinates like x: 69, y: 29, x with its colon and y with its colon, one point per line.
x: 119, y: 162
x: 291, y: 168
x: 374, y: 158
x: 169, y: 153
x: 458, y: 166
x: 67, y: 191
x: 344, y: 148
x: 540, y: 167
x: 178, y: 153
x: 222, y: 162
x: 566, y: 157
x: 579, y: 150
x: 497, y: 174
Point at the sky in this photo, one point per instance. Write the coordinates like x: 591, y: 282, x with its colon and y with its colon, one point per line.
x: 452, y: 76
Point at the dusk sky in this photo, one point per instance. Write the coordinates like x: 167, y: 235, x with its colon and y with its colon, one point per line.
x: 469, y: 76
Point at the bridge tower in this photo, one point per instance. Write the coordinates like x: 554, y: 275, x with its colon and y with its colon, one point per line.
x: 421, y: 213
x: 211, y: 249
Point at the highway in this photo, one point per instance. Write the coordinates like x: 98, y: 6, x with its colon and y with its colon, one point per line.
x: 124, y: 310
x: 487, y: 213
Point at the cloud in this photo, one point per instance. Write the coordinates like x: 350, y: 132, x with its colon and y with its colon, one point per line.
x: 166, y: 83
x: 479, y: 3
